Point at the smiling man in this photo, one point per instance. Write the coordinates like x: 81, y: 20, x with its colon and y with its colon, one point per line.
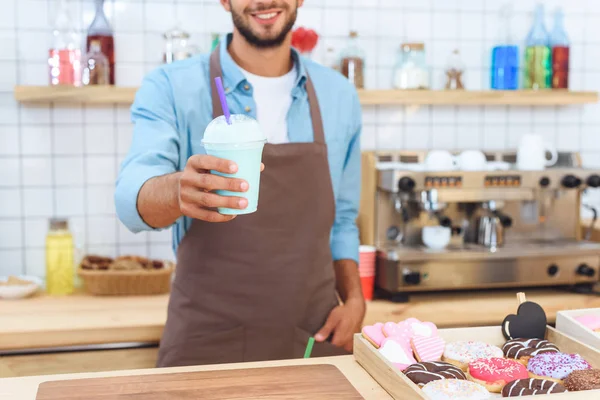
x: 256, y: 287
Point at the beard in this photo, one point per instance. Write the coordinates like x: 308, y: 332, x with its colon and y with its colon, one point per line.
x: 272, y: 39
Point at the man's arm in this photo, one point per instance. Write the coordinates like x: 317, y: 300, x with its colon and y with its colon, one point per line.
x: 151, y: 193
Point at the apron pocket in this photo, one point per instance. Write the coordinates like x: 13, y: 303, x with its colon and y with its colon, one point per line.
x: 320, y: 349
x: 211, y: 348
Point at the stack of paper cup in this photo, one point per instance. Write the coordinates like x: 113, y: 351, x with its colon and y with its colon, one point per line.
x: 366, y: 269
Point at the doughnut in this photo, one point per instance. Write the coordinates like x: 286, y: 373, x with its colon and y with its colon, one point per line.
x: 424, y: 372
x: 373, y: 334
x: 555, y: 366
x: 455, y: 389
x: 494, y: 373
x: 588, y: 379
x: 590, y: 321
x: 529, y: 387
x: 523, y: 349
x: 428, y: 348
x: 397, y: 352
x: 461, y: 353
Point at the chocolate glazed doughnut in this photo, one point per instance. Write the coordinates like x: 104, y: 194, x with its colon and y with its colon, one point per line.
x: 528, y: 387
x: 588, y: 379
x: 523, y: 349
x: 425, y: 372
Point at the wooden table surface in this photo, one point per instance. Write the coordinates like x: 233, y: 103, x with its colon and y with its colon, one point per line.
x: 43, y: 321
x: 26, y: 388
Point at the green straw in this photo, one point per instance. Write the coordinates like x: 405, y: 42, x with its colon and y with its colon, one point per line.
x: 309, y: 346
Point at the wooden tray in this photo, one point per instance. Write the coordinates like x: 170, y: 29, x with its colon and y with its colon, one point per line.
x: 400, y: 387
x: 293, y: 382
x: 567, y: 324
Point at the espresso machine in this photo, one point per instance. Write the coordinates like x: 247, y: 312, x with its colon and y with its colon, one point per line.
x: 507, y: 228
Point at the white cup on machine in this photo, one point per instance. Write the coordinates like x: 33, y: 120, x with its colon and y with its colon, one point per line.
x: 436, y: 237
x: 531, y: 153
x: 468, y: 160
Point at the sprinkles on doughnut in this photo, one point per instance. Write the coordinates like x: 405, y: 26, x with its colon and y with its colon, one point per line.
x: 555, y: 366
x: 494, y: 373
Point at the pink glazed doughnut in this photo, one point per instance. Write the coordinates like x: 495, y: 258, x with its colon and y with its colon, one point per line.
x: 590, y: 321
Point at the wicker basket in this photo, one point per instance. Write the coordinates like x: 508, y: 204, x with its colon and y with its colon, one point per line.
x: 113, y: 283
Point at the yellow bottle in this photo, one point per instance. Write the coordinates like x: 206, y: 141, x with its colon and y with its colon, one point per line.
x: 59, y: 258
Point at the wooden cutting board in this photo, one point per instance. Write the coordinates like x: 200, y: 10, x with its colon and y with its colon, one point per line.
x: 293, y: 382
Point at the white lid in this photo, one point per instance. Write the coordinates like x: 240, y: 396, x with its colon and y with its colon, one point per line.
x: 243, y: 129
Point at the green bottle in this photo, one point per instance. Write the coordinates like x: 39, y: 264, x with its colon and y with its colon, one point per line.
x: 538, y: 56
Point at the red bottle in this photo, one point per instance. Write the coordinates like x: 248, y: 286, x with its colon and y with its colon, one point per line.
x: 64, y: 56
x: 101, y: 31
x: 559, y: 41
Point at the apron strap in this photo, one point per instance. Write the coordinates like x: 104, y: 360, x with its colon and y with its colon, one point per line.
x: 313, y: 102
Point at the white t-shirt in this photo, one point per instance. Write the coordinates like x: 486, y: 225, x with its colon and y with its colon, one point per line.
x: 273, y: 98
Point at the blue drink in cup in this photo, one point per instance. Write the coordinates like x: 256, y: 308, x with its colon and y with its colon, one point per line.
x: 242, y: 142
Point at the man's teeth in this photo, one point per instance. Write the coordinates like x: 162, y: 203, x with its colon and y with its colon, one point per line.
x: 266, y: 16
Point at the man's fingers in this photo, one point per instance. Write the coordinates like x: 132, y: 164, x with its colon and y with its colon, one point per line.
x: 211, y: 200
x: 341, y: 335
x: 262, y: 167
x: 204, y: 215
x: 213, y: 182
x: 203, y: 162
x: 330, y: 324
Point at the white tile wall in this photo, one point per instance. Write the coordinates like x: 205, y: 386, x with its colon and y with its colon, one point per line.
x: 62, y: 160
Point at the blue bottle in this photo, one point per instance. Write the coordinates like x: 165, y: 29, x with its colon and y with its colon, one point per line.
x: 505, y: 56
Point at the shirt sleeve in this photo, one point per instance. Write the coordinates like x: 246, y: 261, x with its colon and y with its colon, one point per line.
x: 154, y: 149
x: 345, y: 239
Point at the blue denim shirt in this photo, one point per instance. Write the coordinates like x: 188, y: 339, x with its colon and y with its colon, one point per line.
x: 173, y: 107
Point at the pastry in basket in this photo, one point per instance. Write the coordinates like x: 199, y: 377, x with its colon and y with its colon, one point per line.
x: 424, y: 372
x: 399, y: 331
x: 419, y: 328
x: 588, y: 379
x: 397, y: 352
x: 373, y: 334
x: 494, y: 373
x: 523, y: 349
x: 143, y: 262
x: 556, y: 366
x: 454, y: 389
x: 530, y: 387
x: 590, y: 321
x: 93, y: 262
x: 461, y: 353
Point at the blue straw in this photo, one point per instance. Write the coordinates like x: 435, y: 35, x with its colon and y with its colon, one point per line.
x: 223, y: 100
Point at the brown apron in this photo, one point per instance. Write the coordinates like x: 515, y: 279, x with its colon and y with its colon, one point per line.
x: 256, y: 288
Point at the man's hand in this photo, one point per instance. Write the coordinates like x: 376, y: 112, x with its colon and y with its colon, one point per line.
x: 196, y: 185
x: 343, y: 321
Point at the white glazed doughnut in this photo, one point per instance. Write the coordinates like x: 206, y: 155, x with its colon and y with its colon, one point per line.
x: 454, y: 389
x: 461, y: 353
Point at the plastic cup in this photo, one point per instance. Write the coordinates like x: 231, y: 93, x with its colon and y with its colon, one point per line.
x: 368, y: 285
x: 241, y: 142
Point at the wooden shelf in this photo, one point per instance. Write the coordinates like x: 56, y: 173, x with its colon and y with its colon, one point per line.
x: 125, y: 95
x: 75, y: 95
x: 471, y: 97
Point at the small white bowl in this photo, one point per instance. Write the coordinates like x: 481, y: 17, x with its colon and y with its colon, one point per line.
x: 436, y: 237
x: 20, y: 291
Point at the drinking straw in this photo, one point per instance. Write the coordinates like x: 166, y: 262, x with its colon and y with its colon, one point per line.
x: 222, y: 98
x: 309, y: 346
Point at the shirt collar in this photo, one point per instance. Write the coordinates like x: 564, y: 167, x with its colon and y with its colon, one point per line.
x: 232, y: 76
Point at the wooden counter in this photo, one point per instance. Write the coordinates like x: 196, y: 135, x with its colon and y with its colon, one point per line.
x: 26, y: 388
x: 43, y: 321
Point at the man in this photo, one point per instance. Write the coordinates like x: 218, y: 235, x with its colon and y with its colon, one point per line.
x: 258, y: 286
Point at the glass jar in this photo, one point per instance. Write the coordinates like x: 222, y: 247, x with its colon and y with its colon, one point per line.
x: 177, y: 46
x: 95, y: 67
x: 352, y: 62
x: 455, y: 72
x: 411, y: 70
x: 59, y: 258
